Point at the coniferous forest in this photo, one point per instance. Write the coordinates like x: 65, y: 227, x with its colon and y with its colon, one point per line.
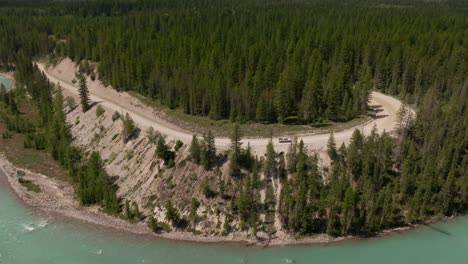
x: 269, y: 61
x: 264, y: 61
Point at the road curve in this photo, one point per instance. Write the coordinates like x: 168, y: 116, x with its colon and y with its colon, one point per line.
x: 145, y: 116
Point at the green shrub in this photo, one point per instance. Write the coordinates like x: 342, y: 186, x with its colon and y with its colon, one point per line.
x: 70, y: 103
x: 100, y: 111
x: 206, y: 189
x: 152, y: 135
x: 29, y: 185
x: 130, y: 130
x: 115, y: 116
x: 170, y: 163
x: 178, y: 145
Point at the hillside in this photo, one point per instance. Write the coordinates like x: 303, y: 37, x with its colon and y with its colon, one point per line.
x: 266, y: 61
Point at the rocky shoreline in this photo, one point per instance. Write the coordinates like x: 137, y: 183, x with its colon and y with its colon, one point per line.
x: 58, y: 197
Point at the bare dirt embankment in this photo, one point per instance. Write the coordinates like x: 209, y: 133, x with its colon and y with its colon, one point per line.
x: 64, y: 72
x: 57, y: 197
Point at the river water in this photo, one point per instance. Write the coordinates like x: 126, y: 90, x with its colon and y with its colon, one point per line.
x: 6, y: 82
x: 29, y: 237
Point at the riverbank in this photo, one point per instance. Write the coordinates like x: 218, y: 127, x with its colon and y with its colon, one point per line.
x: 58, y: 197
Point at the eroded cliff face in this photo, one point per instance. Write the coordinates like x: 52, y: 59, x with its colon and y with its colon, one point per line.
x: 148, y: 181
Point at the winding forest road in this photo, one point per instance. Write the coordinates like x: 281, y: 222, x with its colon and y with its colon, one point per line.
x: 64, y: 72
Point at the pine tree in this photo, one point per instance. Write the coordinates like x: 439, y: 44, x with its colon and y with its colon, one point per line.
x: 235, y: 152
x: 269, y: 166
x: 162, y: 150
x: 152, y: 224
x: 262, y: 110
x: 195, y: 151
x: 84, y: 93
x: 208, y: 153
x: 283, y: 95
x: 354, y: 154
x: 331, y: 147
x: 130, y: 130
x: 363, y: 89
x: 291, y: 156
x: 283, y: 173
x: 193, y: 211
x: 172, y: 215
x: 243, y: 208
x: 348, y: 207
x: 310, y: 107
x: 206, y: 189
x: 285, y: 203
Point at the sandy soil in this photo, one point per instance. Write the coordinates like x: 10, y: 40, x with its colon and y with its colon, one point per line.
x: 64, y: 72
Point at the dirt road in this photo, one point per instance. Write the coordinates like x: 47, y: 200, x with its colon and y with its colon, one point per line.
x: 145, y: 116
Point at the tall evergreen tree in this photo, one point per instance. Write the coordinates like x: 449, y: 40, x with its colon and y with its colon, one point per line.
x: 331, y: 147
x: 84, y: 92
x: 235, y: 152
x: 269, y: 166
x: 195, y: 151
x: 208, y: 153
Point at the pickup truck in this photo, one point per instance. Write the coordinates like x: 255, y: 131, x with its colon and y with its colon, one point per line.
x: 284, y: 140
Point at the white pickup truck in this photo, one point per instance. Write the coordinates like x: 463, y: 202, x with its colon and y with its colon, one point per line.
x: 284, y: 140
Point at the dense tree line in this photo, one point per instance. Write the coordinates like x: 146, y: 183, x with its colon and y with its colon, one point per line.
x: 269, y: 63
x: 374, y: 185
x: 259, y: 61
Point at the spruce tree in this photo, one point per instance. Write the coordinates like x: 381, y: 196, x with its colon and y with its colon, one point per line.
x: 291, y: 156
x: 84, y: 92
x: 172, y: 215
x: 162, y: 150
x: 195, y: 151
x: 193, y: 211
x: 130, y: 130
x: 235, y: 152
x: 208, y: 153
x: 331, y: 147
x: 269, y: 166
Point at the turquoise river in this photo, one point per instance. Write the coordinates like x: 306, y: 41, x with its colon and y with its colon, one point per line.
x: 7, y: 82
x: 27, y: 237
